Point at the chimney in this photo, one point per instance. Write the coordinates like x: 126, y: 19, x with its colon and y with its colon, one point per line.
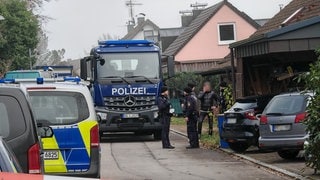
x: 186, y: 20
x: 196, y: 12
x: 130, y: 27
x: 140, y: 20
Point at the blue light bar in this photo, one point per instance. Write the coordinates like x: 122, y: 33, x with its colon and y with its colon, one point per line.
x: 7, y: 80
x: 126, y: 43
x: 40, y: 80
x: 72, y: 79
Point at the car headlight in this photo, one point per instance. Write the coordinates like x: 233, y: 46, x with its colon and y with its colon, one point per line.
x: 155, y: 114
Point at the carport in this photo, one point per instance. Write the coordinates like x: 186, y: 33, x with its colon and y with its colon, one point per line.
x: 268, y: 63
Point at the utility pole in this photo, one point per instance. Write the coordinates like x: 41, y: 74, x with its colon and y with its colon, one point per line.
x: 30, y: 56
x: 130, y: 5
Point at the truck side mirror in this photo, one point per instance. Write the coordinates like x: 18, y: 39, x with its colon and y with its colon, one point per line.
x: 170, y: 66
x: 83, y: 69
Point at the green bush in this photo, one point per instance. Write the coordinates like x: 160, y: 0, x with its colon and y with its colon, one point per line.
x: 312, y: 82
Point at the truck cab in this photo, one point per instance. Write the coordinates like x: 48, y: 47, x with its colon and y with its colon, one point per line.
x: 125, y: 79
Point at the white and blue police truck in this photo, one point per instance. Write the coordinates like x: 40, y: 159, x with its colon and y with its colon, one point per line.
x: 125, y: 80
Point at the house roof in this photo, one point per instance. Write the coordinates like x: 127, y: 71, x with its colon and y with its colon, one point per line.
x: 139, y: 28
x: 291, y: 14
x: 199, y: 22
x: 297, y: 14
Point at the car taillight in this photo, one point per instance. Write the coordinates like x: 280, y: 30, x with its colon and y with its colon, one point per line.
x: 300, y: 117
x: 34, y: 159
x: 94, y: 136
x: 263, y: 119
x: 250, y: 115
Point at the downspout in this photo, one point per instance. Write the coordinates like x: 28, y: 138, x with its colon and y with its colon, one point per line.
x: 233, y: 75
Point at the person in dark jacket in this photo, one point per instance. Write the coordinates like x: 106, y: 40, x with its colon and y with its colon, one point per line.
x: 209, y: 102
x: 165, y: 117
x: 190, y: 114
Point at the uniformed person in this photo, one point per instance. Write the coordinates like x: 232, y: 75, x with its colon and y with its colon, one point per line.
x: 209, y: 103
x: 165, y: 117
x: 190, y: 114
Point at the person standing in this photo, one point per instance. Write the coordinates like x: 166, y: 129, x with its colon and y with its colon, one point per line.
x: 190, y: 114
x: 165, y: 117
x: 209, y: 102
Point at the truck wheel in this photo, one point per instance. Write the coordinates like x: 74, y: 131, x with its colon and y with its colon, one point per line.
x: 157, y: 135
x: 288, y: 154
x: 239, y: 147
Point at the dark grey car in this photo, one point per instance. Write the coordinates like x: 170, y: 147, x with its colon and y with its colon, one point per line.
x: 18, y: 128
x: 241, y: 126
x: 281, y: 127
x: 8, y: 161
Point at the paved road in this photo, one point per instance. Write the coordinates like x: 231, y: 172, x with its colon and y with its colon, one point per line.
x: 139, y: 157
x: 297, y: 165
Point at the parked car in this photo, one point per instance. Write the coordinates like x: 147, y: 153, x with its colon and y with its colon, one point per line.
x: 18, y: 127
x: 28, y: 74
x: 8, y: 161
x: 281, y: 127
x: 66, y: 108
x: 241, y: 126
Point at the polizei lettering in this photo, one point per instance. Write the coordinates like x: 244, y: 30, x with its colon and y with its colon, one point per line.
x: 129, y: 91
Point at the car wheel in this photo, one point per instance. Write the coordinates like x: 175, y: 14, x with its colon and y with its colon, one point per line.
x: 157, y: 135
x: 239, y: 146
x: 288, y: 154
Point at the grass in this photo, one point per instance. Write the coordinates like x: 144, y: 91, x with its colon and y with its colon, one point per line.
x: 210, y: 142
x: 178, y: 121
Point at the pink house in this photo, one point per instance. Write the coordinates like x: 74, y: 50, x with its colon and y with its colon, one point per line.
x: 204, y: 44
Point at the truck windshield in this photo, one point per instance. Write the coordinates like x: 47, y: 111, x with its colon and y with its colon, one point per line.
x: 129, y: 65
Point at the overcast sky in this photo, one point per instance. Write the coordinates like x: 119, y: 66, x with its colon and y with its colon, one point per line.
x: 78, y: 24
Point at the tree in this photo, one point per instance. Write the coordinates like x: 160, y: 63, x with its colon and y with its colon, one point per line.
x: 19, y: 31
x: 312, y: 81
x: 180, y: 81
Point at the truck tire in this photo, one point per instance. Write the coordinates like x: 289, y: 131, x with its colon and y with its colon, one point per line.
x: 288, y: 154
x: 157, y: 135
x: 239, y: 147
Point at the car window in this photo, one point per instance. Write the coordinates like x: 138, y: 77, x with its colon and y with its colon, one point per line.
x: 11, y: 117
x: 287, y: 105
x: 55, y: 108
x: 243, y: 106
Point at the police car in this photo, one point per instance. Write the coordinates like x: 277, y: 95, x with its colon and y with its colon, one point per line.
x: 71, y: 141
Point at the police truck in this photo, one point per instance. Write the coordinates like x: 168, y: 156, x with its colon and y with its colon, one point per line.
x: 125, y: 79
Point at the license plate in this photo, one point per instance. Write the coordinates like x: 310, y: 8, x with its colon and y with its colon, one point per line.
x: 130, y: 116
x: 50, y: 155
x: 231, y: 120
x: 286, y: 127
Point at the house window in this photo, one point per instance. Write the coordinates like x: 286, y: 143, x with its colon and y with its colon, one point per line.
x: 149, y: 35
x: 226, y: 33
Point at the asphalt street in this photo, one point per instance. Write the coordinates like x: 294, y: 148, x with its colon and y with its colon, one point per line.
x: 139, y: 157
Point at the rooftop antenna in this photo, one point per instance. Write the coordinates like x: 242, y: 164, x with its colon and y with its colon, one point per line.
x: 281, y: 6
x: 197, y: 5
x: 130, y: 4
